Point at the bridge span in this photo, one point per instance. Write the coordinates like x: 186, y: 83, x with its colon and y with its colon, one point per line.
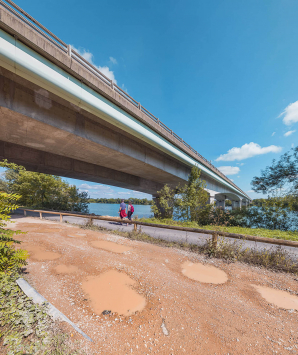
x: 60, y: 115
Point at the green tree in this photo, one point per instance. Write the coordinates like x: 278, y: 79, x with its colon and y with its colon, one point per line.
x: 163, y: 206
x: 10, y: 258
x: 42, y: 190
x: 78, y: 201
x: 280, y: 177
x: 193, y: 197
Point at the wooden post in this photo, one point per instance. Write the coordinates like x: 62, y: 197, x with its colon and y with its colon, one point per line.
x: 25, y: 213
x: 214, y: 241
x: 40, y: 215
x: 61, y: 218
x: 135, y: 227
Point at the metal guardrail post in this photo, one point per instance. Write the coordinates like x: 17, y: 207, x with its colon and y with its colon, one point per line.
x: 139, y: 105
x: 112, y: 84
x: 69, y: 50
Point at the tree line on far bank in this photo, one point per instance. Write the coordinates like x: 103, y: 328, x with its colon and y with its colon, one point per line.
x: 134, y: 201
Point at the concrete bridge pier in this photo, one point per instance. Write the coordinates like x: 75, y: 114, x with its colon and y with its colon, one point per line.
x: 236, y: 204
x: 221, y: 204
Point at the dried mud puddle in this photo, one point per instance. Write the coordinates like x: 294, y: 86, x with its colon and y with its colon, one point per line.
x: 39, y: 253
x: 112, y: 291
x: 110, y: 246
x: 65, y: 269
x: 281, y: 299
x: 204, y: 273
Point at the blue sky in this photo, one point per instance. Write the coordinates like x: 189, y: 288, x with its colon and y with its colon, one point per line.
x: 222, y: 74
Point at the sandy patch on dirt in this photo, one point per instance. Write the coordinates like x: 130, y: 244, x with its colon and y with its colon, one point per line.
x: 112, y: 291
x: 38, y: 253
x: 110, y: 246
x: 204, y: 273
x: 66, y: 269
x: 281, y: 299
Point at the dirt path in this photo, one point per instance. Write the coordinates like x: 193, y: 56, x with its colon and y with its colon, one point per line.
x: 82, y: 274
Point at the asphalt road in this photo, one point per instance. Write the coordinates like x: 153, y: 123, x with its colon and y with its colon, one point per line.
x: 160, y: 233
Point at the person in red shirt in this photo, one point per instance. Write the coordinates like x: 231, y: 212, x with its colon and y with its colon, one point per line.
x: 122, y: 210
x: 130, y: 210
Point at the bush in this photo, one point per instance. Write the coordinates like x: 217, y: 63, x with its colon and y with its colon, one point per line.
x: 39, y: 190
x: 11, y: 259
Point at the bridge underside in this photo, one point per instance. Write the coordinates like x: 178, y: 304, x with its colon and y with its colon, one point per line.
x: 48, y: 134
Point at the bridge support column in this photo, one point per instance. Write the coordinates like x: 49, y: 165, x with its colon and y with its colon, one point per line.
x: 235, y: 204
x: 244, y: 203
x: 221, y: 204
x: 211, y: 200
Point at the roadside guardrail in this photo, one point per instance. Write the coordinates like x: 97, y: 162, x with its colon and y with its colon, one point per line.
x: 214, y: 233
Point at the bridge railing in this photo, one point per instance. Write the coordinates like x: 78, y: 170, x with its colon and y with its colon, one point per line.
x: 29, y: 20
x: 213, y: 233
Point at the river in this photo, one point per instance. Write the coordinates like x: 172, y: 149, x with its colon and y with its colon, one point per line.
x: 111, y: 209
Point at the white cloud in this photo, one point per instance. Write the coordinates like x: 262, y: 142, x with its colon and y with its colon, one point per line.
x: 249, y: 191
x: 89, y: 56
x: 247, y: 151
x: 113, y: 60
x: 273, y: 134
x: 287, y: 134
x: 229, y: 170
x: 290, y: 114
x: 95, y: 187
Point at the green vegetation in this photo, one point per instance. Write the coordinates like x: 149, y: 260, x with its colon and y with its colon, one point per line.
x: 280, y: 177
x: 134, y: 201
x: 41, y: 190
x: 11, y: 259
x: 275, y: 258
x: 259, y: 232
x: 187, y: 202
x: 25, y: 328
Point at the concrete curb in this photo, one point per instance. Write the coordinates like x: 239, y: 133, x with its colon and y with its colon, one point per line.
x: 52, y: 311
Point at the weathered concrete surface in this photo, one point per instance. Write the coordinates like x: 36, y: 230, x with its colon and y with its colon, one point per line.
x: 48, y: 134
x: 59, y: 56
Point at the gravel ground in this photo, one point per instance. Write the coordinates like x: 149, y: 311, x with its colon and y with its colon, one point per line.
x: 181, y: 316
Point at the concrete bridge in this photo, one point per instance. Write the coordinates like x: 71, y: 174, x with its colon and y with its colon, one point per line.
x: 60, y: 115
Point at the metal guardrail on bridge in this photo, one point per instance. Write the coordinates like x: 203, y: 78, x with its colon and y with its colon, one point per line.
x: 213, y: 233
x: 29, y: 20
